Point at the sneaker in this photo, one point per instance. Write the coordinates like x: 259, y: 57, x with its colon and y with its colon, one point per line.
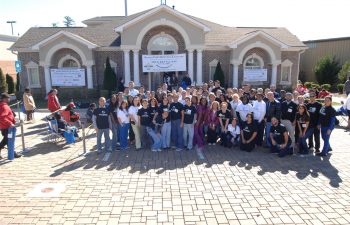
x: 209, y: 143
x: 173, y: 147
x: 137, y: 149
x: 321, y: 154
x: 213, y: 144
x: 189, y: 149
x: 159, y: 149
x: 18, y: 155
x: 154, y: 150
x: 178, y: 149
x: 317, y: 151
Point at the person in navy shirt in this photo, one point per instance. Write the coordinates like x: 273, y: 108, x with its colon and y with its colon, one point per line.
x: 190, y: 117
x: 102, y: 123
x: 176, y: 116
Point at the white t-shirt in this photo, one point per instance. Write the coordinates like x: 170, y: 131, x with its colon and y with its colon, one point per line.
x: 133, y: 112
x: 133, y: 92
x: 259, y: 110
x: 235, y: 131
x: 123, y: 115
x: 244, y: 110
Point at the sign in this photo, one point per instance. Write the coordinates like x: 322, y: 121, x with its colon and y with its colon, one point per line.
x: 163, y: 63
x: 18, y: 66
x: 255, y: 75
x: 68, y: 77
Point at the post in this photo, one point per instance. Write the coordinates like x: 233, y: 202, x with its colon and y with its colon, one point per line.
x: 136, y: 67
x: 235, y: 75
x: 24, y: 150
x: 89, y: 77
x: 84, y: 142
x: 47, y: 78
x: 190, y: 63
x: 199, y: 67
x: 126, y: 67
x: 274, y: 74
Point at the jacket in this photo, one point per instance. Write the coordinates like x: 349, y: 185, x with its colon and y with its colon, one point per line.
x: 7, y: 119
x: 273, y: 109
x: 28, y: 102
x: 52, y: 103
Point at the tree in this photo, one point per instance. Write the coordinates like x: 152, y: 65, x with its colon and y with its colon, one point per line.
x: 68, y: 21
x: 18, y: 82
x: 326, y: 70
x: 3, y: 85
x: 10, y: 84
x: 219, y: 74
x: 54, y: 24
x: 110, y: 78
x: 343, y: 73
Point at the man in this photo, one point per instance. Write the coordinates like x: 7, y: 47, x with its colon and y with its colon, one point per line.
x: 102, y: 123
x: 186, y: 81
x: 313, y: 107
x: 282, y: 98
x: 246, y: 90
x: 280, y: 140
x: 218, y: 87
x: 273, y: 109
x: 273, y: 90
x: 132, y: 91
x: 288, y: 112
x: 7, y: 121
x: 347, y: 85
x: 176, y: 116
x: 259, y: 110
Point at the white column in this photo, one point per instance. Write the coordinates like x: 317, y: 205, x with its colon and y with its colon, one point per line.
x: 90, y: 84
x: 235, y: 75
x: 190, y: 64
x: 199, y: 66
x: 126, y: 67
x: 136, y: 67
x: 274, y: 74
x: 47, y: 78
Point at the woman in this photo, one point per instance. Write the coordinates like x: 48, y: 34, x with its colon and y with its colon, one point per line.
x: 243, y: 109
x: 327, y: 123
x: 302, y: 120
x: 233, y: 134
x: 123, y: 124
x: 52, y: 101
x: 213, y: 123
x: 134, y: 120
x: 113, y: 110
x: 224, y: 116
x: 29, y: 104
x: 131, y: 131
x: 202, y: 112
x: 234, y: 103
x: 164, y: 113
x: 248, y: 134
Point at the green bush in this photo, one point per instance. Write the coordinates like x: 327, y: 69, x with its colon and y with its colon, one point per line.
x: 308, y: 85
x: 326, y: 70
x: 343, y: 73
x: 3, y: 85
x: 109, y: 79
x: 340, y: 88
x: 10, y: 84
x: 18, y: 82
x: 219, y: 75
x: 327, y: 87
x: 316, y: 85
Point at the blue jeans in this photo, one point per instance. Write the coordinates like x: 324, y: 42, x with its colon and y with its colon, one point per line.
x: 303, y: 148
x: 325, y: 138
x: 177, y: 133
x: 115, y: 136
x: 123, y: 135
x: 156, y: 140
x: 165, y: 135
x: 267, y: 133
x: 260, y: 135
x: 188, y: 135
x: 105, y: 133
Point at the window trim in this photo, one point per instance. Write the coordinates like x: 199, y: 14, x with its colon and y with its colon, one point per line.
x: 162, y: 34
x: 29, y: 66
x: 255, y: 56
x: 286, y: 64
x: 68, y: 57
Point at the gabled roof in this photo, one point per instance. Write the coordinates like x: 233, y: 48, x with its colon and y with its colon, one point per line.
x: 162, y: 8
x: 255, y: 33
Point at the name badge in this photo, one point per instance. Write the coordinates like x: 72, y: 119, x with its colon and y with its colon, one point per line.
x: 290, y: 110
x: 303, y: 125
x: 188, y: 111
x: 165, y: 110
x: 176, y: 110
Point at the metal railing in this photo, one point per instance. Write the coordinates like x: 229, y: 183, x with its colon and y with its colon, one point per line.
x: 21, y: 122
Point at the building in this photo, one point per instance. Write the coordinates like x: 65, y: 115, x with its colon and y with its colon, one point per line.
x: 7, y: 58
x: 338, y: 47
x: 158, y: 31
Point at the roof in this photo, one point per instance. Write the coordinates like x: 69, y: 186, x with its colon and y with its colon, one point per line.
x: 100, y: 31
x: 328, y: 39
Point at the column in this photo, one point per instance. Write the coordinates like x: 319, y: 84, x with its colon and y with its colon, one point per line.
x: 235, y: 75
x: 136, y: 67
x: 274, y: 74
x: 126, y: 68
x: 47, y: 78
x: 190, y: 64
x: 90, y: 84
x: 199, y: 66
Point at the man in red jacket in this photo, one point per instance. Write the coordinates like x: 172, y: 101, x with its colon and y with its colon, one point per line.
x: 7, y: 120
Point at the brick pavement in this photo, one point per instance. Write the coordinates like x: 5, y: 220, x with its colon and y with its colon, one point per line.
x: 228, y: 187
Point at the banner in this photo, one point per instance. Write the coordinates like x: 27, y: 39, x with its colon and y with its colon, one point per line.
x: 255, y: 75
x: 68, y: 77
x: 163, y: 63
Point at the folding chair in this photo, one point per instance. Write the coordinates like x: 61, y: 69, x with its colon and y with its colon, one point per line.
x: 342, y: 113
x: 53, y: 134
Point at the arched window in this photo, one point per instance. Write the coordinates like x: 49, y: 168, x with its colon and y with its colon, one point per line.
x: 163, y: 44
x: 70, y: 63
x: 253, y: 62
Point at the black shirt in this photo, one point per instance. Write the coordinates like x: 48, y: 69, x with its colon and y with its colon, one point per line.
x: 248, y: 130
x: 102, y: 118
x: 314, y: 110
x: 164, y: 108
x: 176, y: 108
x: 189, y: 112
x: 215, y: 89
x: 224, y: 116
x: 153, y: 111
x: 278, y: 134
x: 288, y: 111
x: 326, y: 113
x: 145, y: 116
x: 302, y: 120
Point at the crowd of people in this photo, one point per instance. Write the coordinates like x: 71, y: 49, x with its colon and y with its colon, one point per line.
x: 191, y: 117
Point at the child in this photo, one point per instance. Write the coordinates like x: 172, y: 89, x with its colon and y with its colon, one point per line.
x: 233, y: 133
x: 102, y: 123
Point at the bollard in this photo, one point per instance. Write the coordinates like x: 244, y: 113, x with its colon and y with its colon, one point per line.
x: 11, y: 143
x: 24, y: 150
x: 84, y: 143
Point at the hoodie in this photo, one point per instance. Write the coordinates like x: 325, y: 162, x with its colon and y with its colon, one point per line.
x: 7, y: 118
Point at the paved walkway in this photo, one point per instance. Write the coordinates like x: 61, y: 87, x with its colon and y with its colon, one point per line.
x: 54, y: 184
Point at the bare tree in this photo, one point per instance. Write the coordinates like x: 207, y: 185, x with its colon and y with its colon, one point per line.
x: 68, y: 21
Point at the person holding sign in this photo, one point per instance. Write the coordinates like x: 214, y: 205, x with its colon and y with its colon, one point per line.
x: 7, y: 122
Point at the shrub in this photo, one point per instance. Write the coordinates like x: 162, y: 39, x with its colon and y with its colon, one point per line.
x: 327, y: 87
x: 308, y: 85
x: 343, y: 73
x: 10, y: 84
x: 109, y: 79
x: 18, y: 82
x: 219, y: 74
x: 340, y: 88
x: 3, y: 85
x: 326, y: 70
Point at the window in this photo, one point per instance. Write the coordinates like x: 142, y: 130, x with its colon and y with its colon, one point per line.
x: 163, y: 43
x: 286, y: 72
x: 253, y: 62
x: 70, y: 63
x: 212, y: 68
x: 33, y: 75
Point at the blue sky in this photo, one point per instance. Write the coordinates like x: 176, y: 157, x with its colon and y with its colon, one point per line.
x: 308, y: 19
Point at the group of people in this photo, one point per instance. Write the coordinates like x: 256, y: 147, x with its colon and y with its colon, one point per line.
x: 192, y: 117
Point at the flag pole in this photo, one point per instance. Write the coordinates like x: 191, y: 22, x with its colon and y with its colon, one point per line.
x: 126, y: 7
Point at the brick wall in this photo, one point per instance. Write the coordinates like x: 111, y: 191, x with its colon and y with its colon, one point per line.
x: 224, y: 58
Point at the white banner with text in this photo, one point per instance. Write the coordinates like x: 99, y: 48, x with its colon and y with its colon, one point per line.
x: 255, y: 75
x: 163, y: 63
x: 68, y: 77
